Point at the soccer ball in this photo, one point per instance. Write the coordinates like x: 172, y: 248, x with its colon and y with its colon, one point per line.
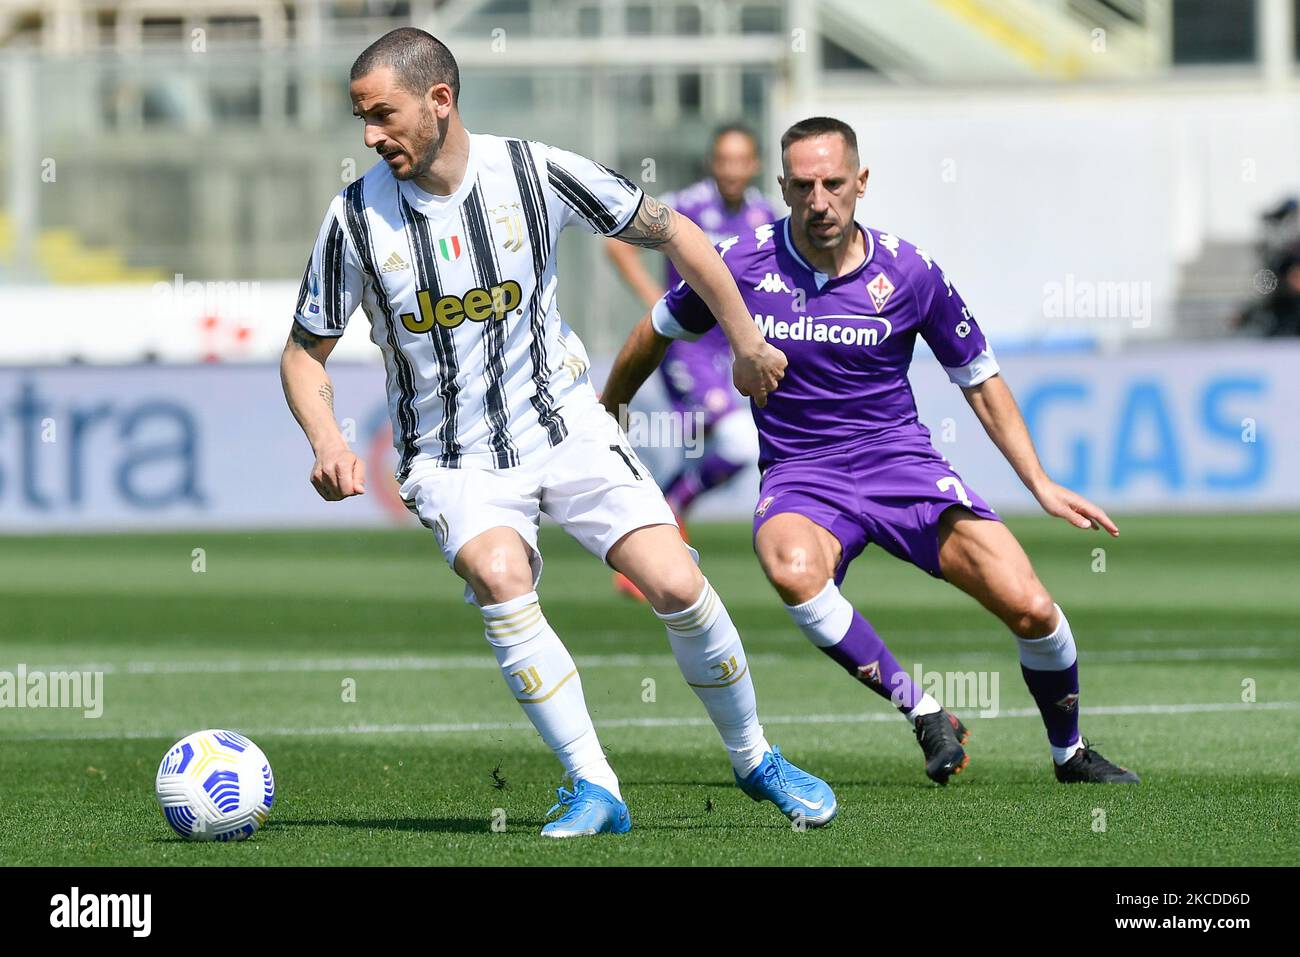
x: 215, y: 786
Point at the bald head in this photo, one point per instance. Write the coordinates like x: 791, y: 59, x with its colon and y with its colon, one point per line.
x: 417, y: 59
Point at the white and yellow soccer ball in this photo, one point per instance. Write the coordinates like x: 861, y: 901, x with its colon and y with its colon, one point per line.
x: 215, y: 786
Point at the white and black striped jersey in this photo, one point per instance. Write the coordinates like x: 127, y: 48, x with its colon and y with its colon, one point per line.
x: 461, y: 295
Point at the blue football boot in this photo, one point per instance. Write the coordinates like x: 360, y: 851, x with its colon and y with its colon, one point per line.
x: 588, y: 809
x: 798, y: 794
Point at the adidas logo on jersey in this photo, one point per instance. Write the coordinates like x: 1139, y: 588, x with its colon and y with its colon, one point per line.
x: 772, y: 282
x: 394, y: 263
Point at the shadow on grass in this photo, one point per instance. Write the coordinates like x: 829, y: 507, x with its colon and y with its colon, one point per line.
x: 479, y: 826
x: 445, y: 825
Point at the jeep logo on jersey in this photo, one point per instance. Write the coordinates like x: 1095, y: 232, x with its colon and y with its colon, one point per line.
x: 477, y: 305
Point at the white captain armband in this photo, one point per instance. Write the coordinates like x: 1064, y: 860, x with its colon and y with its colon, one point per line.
x: 666, y: 324
x: 983, y: 367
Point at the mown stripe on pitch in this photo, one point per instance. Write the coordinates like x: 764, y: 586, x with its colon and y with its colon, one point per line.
x: 470, y: 727
x: 454, y: 662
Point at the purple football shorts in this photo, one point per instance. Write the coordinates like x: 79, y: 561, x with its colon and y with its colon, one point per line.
x: 891, y: 492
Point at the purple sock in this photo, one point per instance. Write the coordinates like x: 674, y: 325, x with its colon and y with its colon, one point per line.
x: 697, y: 478
x: 1057, y: 695
x: 1050, y: 666
x: 864, y: 654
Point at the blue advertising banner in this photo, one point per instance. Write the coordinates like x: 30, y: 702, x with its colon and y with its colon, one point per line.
x: 1197, y: 426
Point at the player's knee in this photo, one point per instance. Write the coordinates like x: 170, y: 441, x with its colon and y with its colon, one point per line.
x: 795, y: 571
x: 500, y: 578
x: 1033, y: 614
x: 675, y: 587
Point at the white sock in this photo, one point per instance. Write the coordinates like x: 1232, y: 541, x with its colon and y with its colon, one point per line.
x: 1054, y: 652
x: 927, y: 705
x: 824, y: 619
x: 712, y: 660
x: 543, y: 678
x: 1061, y: 755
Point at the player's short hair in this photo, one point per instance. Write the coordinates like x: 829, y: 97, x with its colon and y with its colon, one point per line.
x: 819, y: 126
x: 418, y: 60
x: 728, y: 128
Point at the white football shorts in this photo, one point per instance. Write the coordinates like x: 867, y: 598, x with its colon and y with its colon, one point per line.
x: 592, y: 484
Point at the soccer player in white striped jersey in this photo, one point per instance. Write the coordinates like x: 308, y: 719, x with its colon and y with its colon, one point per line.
x: 448, y: 245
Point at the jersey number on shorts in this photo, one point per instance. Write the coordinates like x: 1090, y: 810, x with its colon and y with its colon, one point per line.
x: 948, y: 483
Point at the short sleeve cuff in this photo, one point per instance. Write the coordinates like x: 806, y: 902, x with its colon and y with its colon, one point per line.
x: 622, y: 224
x: 983, y: 367
x: 315, y: 327
x: 666, y: 323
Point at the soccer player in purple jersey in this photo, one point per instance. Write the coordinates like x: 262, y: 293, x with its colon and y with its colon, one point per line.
x: 845, y: 460
x: 697, y: 375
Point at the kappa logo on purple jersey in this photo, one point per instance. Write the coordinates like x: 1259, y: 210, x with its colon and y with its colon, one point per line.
x: 772, y: 282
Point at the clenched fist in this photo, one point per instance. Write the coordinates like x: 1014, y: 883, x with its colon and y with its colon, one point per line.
x: 338, y: 474
x: 757, y: 373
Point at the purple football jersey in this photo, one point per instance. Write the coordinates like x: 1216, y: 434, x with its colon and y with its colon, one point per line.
x: 849, y: 339
x: 697, y: 375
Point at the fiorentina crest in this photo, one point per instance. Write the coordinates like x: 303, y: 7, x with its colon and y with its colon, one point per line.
x: 869, y: 673
x: 881, y: 289
x: 1069, y: 702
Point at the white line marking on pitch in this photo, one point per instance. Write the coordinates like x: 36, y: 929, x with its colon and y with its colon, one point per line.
x: 485, y: 662
x: 678, y: 722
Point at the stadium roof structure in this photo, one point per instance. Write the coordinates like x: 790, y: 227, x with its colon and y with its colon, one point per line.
x: 933, y: 40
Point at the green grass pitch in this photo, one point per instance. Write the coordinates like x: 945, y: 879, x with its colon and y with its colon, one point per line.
x: 1190, y: 664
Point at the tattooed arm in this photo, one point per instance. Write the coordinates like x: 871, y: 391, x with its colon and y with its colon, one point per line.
x: 758, y: 366
x: 337, y: 472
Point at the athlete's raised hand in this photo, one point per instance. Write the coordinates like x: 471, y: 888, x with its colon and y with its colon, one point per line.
x: 1074, y: 508
x: 338, y: 474
x: 758, y: 372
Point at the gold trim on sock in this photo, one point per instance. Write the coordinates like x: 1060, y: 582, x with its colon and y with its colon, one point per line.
x: 725, y: 684
x: 549, y: 693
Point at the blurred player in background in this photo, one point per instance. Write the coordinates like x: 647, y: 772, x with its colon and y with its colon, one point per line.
x: 448, y: 243
x: 846, y: 461
x: 697, y: 375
